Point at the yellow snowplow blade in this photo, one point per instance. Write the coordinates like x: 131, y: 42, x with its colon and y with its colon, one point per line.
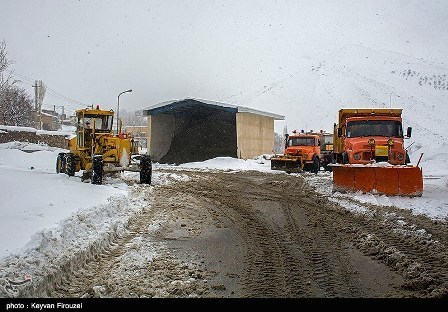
x: 392, y: 180
x: 286, y: 164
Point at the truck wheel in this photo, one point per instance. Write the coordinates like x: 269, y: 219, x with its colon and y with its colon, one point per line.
x: 60, y: 163
x: 70, y: 164
x: 316, y: 165
x: 145, y: 169
x: 97, y: 169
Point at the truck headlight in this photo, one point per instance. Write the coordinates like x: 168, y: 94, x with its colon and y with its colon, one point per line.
x: 390, y: 142
x: 357, y: 156
x: 371, y: 141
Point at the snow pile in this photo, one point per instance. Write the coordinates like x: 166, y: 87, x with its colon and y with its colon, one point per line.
x: 53, y: 252
x: 52, y: 224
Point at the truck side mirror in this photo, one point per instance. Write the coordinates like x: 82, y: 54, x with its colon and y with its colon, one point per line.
x: 409, y: 132
x: 286, y: 140
x: 339, y: 132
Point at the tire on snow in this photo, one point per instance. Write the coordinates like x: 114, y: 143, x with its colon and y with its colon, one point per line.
x: 70, y: 164
x: 97, y: 169
x: 145, y: 169
x: 316, y: 165
x: 60, y: 163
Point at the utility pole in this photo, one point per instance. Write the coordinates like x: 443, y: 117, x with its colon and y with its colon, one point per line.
x: 62, y: 115
x: 35, y: 95
x: 36, y: 120
x: 39, y: 93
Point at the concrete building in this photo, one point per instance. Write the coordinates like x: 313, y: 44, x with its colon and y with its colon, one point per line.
x: 191, y: 130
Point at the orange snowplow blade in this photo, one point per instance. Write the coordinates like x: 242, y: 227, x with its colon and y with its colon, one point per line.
x: 391, y: 180
x: 287, y: 164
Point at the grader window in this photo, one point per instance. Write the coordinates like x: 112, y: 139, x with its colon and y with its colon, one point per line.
x: 101, y: 122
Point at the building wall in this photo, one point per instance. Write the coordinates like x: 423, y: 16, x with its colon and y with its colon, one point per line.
x: 175, y: 139
x: 255, y: 135
x: 161, y: 130
x: 56, y: 140
x: 202, y: 137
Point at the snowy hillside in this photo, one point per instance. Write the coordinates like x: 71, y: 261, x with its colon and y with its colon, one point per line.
x: 311, y: 94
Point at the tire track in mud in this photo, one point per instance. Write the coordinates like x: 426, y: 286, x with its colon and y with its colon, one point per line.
x: 295, y: 243
x: 292, y: 256
x: 413, y: 245
x: 135, y: 264
x: 330, y: 275
x: 329, y: 238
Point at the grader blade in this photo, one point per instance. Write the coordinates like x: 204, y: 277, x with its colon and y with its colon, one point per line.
x: 391, y: 180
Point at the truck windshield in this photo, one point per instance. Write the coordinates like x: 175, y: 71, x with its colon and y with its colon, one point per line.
x: 327, y: 139
x: 301, y: 142
x: 387, y: 128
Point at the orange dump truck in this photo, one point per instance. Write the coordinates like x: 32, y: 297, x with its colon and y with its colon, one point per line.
x: 369, y: 153
x: 302, y: 153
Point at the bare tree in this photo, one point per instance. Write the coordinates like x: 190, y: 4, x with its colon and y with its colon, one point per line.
x: 6, y: 79
x: 132, y: 119
x: 16, y: 108
x: 279, y: 143
x: 15, y: 103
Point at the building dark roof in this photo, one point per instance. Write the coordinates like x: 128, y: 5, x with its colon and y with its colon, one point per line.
x: 198, y: 107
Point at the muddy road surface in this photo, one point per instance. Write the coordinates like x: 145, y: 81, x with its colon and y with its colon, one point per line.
x: 253, y: 234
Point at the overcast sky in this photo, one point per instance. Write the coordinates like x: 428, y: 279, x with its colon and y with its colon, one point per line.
x: 90, y: 51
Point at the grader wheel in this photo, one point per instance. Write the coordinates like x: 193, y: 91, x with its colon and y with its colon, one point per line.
x: 60, y: 163
x: 145, y: 169
x: 70, y: 164
x: 97, y: 169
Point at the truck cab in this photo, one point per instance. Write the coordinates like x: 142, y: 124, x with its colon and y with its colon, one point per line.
x: 326, y: 150
x: 370, y: 135
x: 307, y: 147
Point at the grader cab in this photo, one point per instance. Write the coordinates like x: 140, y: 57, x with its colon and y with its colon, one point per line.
x: 98, y: 151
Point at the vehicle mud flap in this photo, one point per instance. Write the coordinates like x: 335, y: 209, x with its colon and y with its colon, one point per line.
x: 391, y: 180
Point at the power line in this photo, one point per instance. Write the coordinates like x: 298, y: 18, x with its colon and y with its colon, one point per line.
x: 50, y: 91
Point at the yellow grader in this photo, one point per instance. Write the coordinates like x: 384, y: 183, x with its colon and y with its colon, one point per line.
x: 369, y: 153
x: 98, y: 151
